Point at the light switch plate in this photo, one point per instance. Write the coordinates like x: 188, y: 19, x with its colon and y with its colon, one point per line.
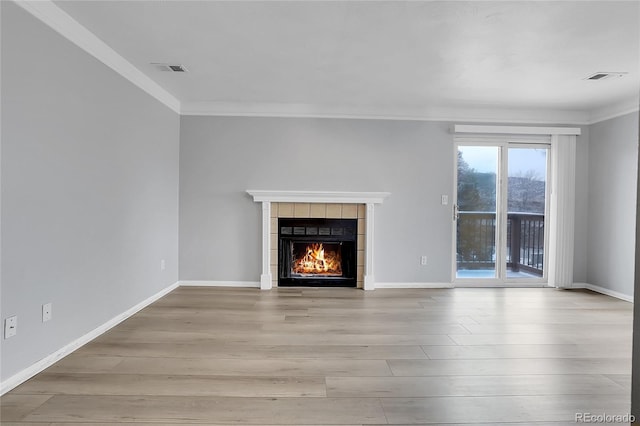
x: 47, y: 312
x: 10, y: 326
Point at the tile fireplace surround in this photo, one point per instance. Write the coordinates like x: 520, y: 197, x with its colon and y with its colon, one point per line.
x: 317, y: 205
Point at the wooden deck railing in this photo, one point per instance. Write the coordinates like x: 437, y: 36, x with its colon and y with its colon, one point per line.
x: 525, y: 241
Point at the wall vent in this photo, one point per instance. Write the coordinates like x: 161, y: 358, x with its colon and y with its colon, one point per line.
x: 605, y: 75
x: 169, y: 67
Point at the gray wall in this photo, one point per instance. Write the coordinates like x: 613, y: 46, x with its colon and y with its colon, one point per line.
x: 220, y: 158
x: 89, y: 191
x: 635, y: 361
x: 613, y: 162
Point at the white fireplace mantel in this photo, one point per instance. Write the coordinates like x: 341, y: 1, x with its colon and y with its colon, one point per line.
x: 318, y: 197
x: 370, y: 199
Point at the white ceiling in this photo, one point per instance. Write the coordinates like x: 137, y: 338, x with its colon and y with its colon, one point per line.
x: 395, y: 58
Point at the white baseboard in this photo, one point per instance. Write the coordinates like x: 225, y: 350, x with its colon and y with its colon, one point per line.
x: 49, y: 360
x: 414, y: 285
x: 193, y: 283
x: 604, y: 290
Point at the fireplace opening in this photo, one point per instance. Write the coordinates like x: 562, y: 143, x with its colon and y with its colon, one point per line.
x: 317, y: 252
x: 316, y: 259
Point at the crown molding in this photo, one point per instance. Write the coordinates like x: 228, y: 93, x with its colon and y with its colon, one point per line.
x: 615, y: 110
x: 468, y: 114
x: 516, y: 130
x: 50, y: 14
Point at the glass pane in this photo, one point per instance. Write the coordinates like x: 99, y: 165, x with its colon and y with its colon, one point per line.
x: 526, y: 192
x: 476, y: 224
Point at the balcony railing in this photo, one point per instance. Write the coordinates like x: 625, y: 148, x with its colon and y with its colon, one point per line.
x: 525, y: 241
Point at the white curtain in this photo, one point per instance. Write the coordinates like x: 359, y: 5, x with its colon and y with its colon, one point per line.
x: 563, y: 210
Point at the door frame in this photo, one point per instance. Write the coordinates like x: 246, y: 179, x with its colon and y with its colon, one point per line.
x: 503, y: 143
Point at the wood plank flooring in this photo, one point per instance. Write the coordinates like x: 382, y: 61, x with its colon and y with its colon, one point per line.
x: 344, y: 357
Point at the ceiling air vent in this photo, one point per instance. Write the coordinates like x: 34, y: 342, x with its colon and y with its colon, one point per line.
x: 169, y: 67
x: 605, y: 75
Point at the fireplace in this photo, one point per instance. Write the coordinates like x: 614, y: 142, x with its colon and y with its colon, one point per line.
x: 317, y: 252
x: 278, y: 205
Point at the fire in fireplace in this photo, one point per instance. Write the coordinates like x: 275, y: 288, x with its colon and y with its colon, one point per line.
x: 316, y: 260
x: 317, y: 252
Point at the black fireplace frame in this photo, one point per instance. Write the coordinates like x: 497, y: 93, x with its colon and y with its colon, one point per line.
x: 340, y: 231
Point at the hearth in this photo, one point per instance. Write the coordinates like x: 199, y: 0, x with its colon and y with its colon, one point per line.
x: 317, y: 252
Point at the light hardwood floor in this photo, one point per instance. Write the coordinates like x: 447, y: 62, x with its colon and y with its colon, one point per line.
x: 345, y: 357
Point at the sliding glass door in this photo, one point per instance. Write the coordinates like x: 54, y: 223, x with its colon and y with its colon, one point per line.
x: 499, y: 212
x: 526, y: 207
x: 476, y: 210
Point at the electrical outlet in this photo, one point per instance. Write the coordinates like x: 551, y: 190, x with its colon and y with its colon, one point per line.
x: 162, y: 265
x: 47, y: 312
x: 10, y: 326
x: 423, y: 260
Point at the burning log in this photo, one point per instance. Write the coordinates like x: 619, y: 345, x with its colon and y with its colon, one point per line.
x: 318, y: 261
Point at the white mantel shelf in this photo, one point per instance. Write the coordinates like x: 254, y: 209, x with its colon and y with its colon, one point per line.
x: 318, y: 196
x: 370, y: 199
